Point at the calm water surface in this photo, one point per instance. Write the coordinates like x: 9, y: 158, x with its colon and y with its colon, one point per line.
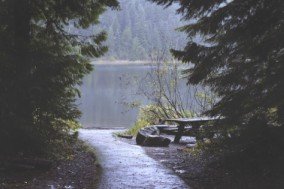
x: 107, y: 91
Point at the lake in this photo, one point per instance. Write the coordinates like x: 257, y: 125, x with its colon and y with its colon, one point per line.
x: 107, y: 91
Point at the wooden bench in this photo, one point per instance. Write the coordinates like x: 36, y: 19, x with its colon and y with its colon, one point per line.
x: 192, y: 127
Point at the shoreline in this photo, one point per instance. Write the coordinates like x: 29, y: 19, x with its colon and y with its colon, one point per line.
x: 121, y: 62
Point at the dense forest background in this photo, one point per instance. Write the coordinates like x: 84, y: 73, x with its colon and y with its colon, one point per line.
x: 139, y: 30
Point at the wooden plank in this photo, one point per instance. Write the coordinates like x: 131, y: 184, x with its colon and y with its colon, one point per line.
x: 193, y: 120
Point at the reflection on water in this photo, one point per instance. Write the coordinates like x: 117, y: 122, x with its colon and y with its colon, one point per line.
x: 104, y: 92
x: 108, y: 87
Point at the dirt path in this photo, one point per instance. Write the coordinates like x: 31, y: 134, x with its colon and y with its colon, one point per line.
x: 127, y: 166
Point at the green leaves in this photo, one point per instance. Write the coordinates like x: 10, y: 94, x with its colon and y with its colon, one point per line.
x: 140, y: 29
x: 43, y: 60
x: 240, y: 57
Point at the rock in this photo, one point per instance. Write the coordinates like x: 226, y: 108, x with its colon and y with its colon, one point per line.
x: 149, y: 136
x: 145, y: 132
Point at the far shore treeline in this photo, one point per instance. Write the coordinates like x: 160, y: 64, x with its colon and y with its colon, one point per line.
x: 238, y: 56
x: 139, y: 30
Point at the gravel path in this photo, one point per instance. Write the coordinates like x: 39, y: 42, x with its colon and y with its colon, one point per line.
x: 127, y: 166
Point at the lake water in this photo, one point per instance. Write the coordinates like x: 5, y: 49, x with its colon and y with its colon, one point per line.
x: 107, y: 90
x: 105, y: 93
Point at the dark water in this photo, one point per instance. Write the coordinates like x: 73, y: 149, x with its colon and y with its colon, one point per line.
x: 108, y: 91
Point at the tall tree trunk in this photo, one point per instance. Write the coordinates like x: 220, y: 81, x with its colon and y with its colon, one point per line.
x: 22, y: 28
x: 22, y: 37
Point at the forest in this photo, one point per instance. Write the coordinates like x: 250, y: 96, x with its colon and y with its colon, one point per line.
x: 139, y: 29
x: 234, y: 49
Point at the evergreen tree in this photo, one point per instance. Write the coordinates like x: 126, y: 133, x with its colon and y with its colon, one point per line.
x: 42, y: 62
x: 240, y: 58
x: 151, y: 25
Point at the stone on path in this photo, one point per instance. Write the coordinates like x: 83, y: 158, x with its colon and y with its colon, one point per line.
x: 149, y: 136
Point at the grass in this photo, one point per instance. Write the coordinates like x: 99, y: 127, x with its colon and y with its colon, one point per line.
x: 134, y: 130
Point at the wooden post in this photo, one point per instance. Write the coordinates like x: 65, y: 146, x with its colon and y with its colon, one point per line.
x: 179, y: 133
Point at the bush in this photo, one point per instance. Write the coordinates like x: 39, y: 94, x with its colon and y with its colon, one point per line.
x: 154, y: 114
x: 139, y: 124
x: 151, y: 115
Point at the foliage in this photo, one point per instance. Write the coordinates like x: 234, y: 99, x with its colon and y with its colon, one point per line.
x: 140, y: 28
x: 42, y: 64
x: 150, y: 115
x: 165, y: 89
x: 240, y: 58
x: 139, y: 124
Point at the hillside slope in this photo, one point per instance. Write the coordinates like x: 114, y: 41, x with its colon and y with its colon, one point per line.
x: 140, y: 29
